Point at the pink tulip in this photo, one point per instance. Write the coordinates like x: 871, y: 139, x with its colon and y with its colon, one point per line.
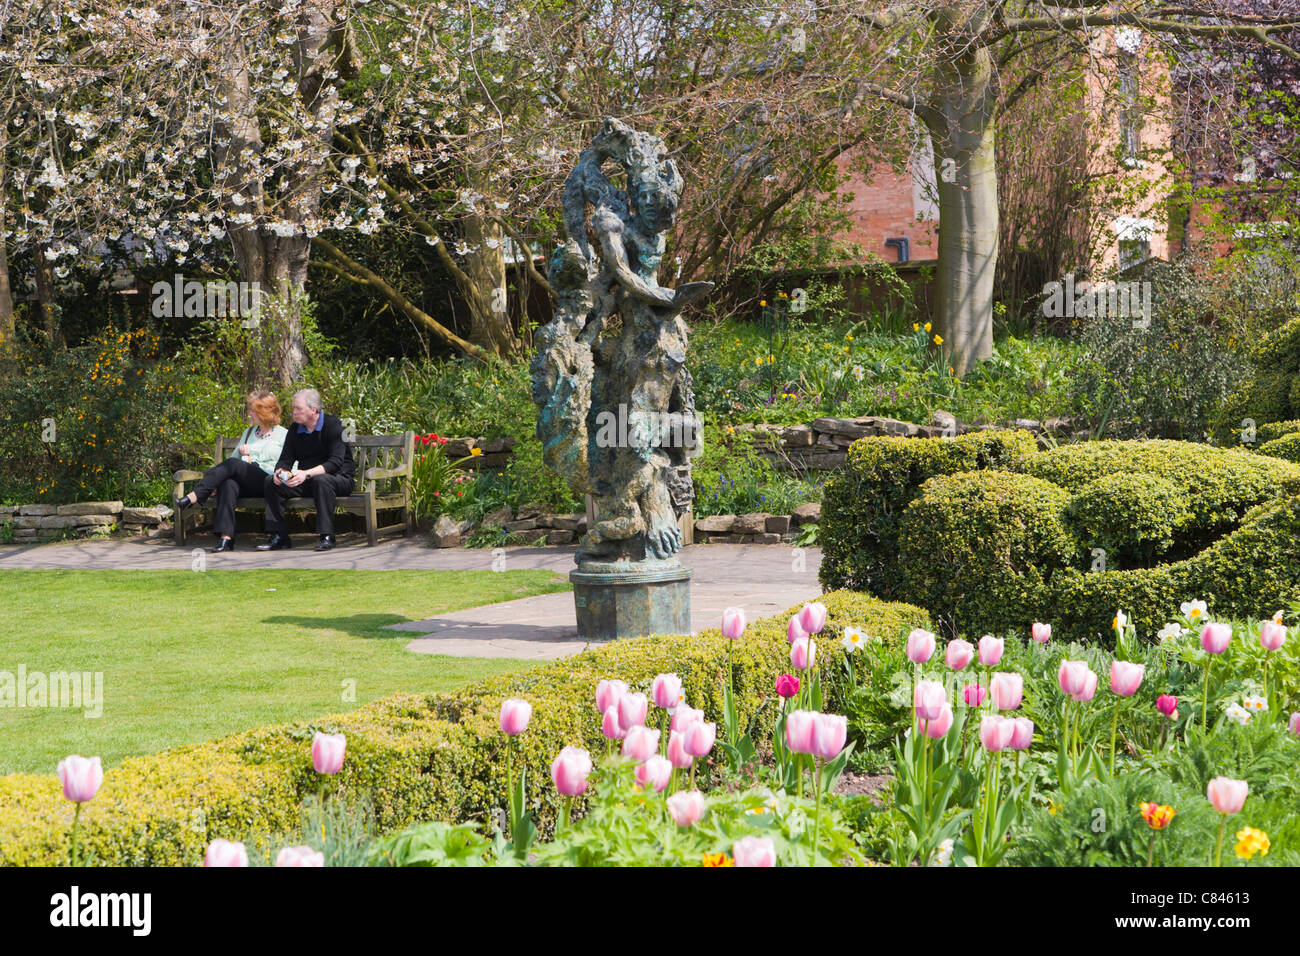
x: 829, y: 733
x: 654, y: 773
x: 81, y: 777
x: 1272, y: 635
x: 631, y: 710
x: 996, y: 732
x: 327, y: 752
x: 813, y: 617
x: 608, y: 692
x: 754, y: 851
x: 928, y: 699
x: 991, y: 649
x: 1227, y: 795
x: 515, y: 715
x: 699, y: 738
x: 733, y: 623
x: 1089, y: 687
x: 794, y: 630
x: 1007, y: 690
x: 299, y: 856
x: 1215, y: 638
x: 1022, y: 734
x: 640, y: 742
x: 920, y: 646
x: 787, y: 686
x: 666, y: 691
x: 799, y: 729
x: 959, y: 654
x: 677, y: 754
x: 803, y: 654
x: 1295, y: 724
x: 684, y: 716
x: 939, y: 727
x: 1041, y: 633
x: 973, y: 694
x: 1167, y: 704
x: 609, y: 725
x: 1125, y: 677
x: 1072, y: 675
x: 686, y: 808
x: 225, y: 853
x: 570, y: 770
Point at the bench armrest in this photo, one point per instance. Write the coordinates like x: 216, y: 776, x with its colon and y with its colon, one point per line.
x: 373, y: 473
x: 186, y: 475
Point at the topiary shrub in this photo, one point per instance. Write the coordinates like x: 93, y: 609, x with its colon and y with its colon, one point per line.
x: 977, y: 548
x: 412, y: 757
x: 1287, y: 447
x: 1131, y: 517
x: 1271, y: 393
x: 1272, y: 430
x: 862, y: 509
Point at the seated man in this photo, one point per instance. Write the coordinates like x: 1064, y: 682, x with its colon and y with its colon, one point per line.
x: 324, y: 470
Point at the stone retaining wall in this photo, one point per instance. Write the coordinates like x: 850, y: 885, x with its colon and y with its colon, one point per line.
x: 46, y: 521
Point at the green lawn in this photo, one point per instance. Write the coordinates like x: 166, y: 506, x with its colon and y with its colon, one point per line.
x: 188, y: 656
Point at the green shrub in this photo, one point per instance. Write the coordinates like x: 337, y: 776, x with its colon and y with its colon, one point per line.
x: 410, y: 757
x: 972, y: 540
x: 1271, y: 430
x: 1271, y: 393
x: 862, y: 511
x: 1131, y: 517
x: 1287, y: 447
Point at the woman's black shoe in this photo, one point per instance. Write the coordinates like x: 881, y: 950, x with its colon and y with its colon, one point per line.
x: 224, y: 545
x: 182, y: 503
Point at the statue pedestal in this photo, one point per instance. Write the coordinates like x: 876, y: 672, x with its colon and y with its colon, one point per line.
x: 628, y: 599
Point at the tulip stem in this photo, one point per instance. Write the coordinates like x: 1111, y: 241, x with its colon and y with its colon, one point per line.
x: 1151, y: 848
x: 1114, y: 725
x: 1205, y: 696
x: 1218, y: 844
x: 817, y: 820
x: 76, y: 818
x: 510, y: 793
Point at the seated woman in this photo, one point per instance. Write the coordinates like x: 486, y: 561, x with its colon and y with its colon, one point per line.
x: 244, y: 473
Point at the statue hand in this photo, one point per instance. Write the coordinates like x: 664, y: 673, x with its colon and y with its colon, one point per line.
x: 688, y: 293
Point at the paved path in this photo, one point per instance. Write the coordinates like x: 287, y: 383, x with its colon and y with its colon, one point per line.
x: 763, y: 579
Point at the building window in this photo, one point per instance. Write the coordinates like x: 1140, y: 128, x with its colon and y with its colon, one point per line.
x: 1127, y: 42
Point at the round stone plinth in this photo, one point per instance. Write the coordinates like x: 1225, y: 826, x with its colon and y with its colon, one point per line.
x: 645, y: 598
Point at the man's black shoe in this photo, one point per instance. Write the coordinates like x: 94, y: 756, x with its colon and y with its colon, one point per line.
x: 326, y: 542
x: 278, y: 542
x: 224, y: 545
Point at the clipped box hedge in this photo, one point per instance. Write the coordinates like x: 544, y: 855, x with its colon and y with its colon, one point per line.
x: 1287, y: 447
x: 413, y: 757
x: 1271, y: 394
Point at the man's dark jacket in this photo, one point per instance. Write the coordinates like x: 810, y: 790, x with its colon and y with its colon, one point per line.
x: 322, y: 446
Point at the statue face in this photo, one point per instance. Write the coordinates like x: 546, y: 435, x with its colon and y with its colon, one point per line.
x: 654, y: 206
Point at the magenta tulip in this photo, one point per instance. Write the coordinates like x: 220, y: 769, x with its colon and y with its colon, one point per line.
x: 794, y: 631
x: 799, y: 729
x: 570, y: 770
x: 632, y: 710
x: 973, y: 694
x: 813, y: 617
x: 699, y: 737
x: 640, y: 742
x: 225, y: 853
x: 1007, y: 690
x: 677, y: 754
x: 991, y: 649
x: 653, y: 774
x: 686, y: 808
x: 1272, y: 635
x: 996, y: 732
x: 829, y: 733
x: 754, y: 851
x: 803, y: 653
x: 733, y: 623
x: 1041, y: 633
x: 1227, y: 795
x: 787, y: 685
x: 928, y: 699
x: 1215, y: 638
x: 920, y: 646
x: 609, y: 725
x: 1167, y: 704
x: 666, y: 691
x: 608, y: 693
x: 515, y: 715
x: 1295, y: 724
x: 81, y: 777
x: 299, y: 856
x: 1022, y: 734
x: 1126, y: 677
x: 684, y: 716
x: 934, y: 729
x: 959, y: 654
x: 327, y: 752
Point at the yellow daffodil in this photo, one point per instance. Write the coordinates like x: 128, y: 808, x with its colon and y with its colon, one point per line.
x: 1251, y: 841
x: 917, y: 328
x: 927, y: 326
x: 475, y: 452
x: 938, y: 340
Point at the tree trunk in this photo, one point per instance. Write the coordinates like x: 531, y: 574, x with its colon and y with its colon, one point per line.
x: 485, y: 267
x: 8, y: 330
x: 278, y: 266
x: 966, y: 177
x: 46, y: 299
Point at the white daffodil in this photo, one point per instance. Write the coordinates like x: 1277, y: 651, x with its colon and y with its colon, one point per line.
x: 1170, y: 632
x: 854, y: 638
x: 1120, y: 622
x: 1277, y: 617
x: 944, y: 855
x: 1254, y: 703
x: 1238, y: 714
x: 1193, y: 609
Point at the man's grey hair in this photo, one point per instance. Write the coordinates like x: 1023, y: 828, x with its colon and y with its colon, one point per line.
x: 310, y: 396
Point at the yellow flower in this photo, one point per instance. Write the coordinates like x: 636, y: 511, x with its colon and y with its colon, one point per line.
x: 849, y: 337
x: 917, y: 328
x: 476, y: 452
x: 938, y: 340
x: 1157, y: 815
x: 1251, y: 841
x: 1052, y: 807
x: 927, y: 326
x: 951, y: 370
x: 758, y: 361
x: 717, y: 859
x: 762, y: 301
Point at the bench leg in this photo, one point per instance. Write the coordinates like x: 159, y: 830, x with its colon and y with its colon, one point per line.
x: 372, y: 523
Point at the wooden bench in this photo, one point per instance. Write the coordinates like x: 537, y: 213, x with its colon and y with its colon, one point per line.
x: 383, y: 464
